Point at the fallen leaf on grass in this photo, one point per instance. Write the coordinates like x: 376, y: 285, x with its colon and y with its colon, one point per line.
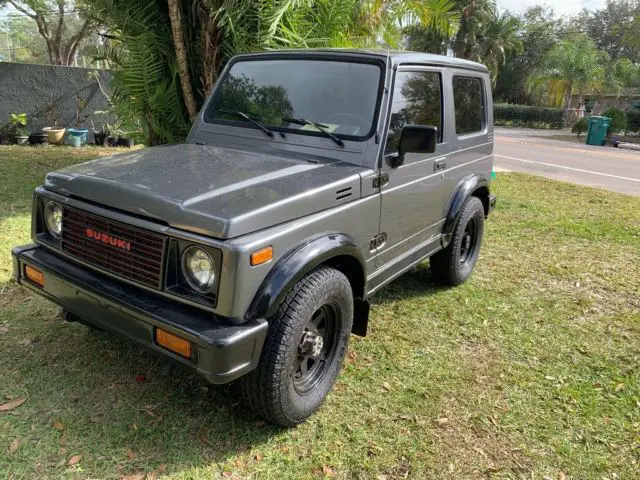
x: 14, y: 445
x: 63, y: 440
x: 5, y: 407
x: 58, y: 425
x: 328, y: 471
x: 620, y: 387
x: 441, y: 421
x: 133, y: 476
x: 75, y: 459
x: 130, y: 454
x: 157, y: 420
x: 141, y: 378
x: 4, y: 330
x: 387, y: 387
x: 561, y: 476
x: 97, y: 418
x: 258, y: 457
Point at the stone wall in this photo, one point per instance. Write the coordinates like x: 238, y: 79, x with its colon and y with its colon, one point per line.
x: 27, y: 88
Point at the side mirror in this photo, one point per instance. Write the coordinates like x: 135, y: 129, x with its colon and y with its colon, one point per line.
x: 418, y: 139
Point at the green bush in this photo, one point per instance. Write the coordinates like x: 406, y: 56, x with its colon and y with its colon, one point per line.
x: 618, y: 120
x: 580, y: 126
x: 525, y: 116
x: 633, y: 119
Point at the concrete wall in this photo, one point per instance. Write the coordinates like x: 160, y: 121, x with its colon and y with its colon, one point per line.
x: 26, y: 88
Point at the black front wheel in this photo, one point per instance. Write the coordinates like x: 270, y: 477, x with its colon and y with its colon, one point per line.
x: 303, y: 353
x: 454, y: 264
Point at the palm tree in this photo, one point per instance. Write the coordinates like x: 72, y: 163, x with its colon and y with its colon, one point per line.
x: 175, y: 18
x: 499, y: 40
x: 573, y: 65
x: 167, y: 57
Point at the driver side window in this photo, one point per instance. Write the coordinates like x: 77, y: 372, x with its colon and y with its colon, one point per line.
x: 417, y: 100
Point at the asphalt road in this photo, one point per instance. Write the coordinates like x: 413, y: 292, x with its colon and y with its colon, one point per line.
x: 601, y: 167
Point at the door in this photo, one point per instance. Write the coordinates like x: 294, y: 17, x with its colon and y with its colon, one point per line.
x: 471, y: 94
x: 412, y: 198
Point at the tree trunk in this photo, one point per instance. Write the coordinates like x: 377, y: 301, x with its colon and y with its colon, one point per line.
x: 181, y: 55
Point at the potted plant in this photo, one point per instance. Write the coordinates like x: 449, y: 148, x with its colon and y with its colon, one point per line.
x: 54, y: 133
x: 4, y: 133
x: 125, y: 141
x: 18, y: 127
x: 37, y: 138
x: 101, y: 136
x: 77, y: 136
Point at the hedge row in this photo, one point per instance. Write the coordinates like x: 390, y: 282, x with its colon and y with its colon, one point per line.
x: 525, y: 116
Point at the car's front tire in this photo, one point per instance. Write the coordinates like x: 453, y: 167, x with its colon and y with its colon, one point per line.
x: 304, y: 349
x: 454, y: 264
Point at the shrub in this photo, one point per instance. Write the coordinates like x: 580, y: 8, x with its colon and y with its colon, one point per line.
x: 525, y: 116
x: 633, y: 119
x: 580, y: 126
x: 618, y: 120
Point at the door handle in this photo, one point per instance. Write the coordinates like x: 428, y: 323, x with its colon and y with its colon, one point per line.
x: 440, y: 165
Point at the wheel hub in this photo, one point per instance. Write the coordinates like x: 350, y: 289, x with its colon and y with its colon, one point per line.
x: 311, y: 344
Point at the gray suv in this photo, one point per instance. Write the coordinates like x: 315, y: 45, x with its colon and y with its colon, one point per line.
x: 309, y: 181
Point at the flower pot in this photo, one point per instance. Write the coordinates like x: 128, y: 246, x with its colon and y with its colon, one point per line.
x: 54, y: 135
x: 100, y: 138
x: 112, y: 141
x: 77, y: 136
x: 39, y: 138
x: 125, y: 142
x: 22, y: 139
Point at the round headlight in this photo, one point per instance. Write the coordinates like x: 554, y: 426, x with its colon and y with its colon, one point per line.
x: 53, y: 218
x: 198, y: 269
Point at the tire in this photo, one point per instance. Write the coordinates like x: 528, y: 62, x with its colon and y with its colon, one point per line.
x: 285, y: 389
x: 454, y: 264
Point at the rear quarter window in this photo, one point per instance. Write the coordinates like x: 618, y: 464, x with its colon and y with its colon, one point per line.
x: 470, y: 105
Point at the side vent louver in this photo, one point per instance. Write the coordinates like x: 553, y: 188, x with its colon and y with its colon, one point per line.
x: 344, y: 193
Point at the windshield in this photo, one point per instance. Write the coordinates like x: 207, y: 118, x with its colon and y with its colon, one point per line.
x: 293, y: 94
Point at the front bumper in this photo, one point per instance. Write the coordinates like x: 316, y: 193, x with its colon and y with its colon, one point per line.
x: 221, y: 351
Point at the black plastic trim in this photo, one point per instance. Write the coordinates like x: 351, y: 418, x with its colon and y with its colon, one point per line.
x: 292, y: 267
x: 465, y: 188
x: 223, y: 351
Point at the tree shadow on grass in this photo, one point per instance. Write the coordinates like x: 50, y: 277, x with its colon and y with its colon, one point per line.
x: 120, y: 407
x: 417, y: 282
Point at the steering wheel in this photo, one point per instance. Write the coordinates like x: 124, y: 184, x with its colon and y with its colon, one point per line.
x: 361, y: 122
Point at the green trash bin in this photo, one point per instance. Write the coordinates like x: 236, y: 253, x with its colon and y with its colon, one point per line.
x: 597, y: 130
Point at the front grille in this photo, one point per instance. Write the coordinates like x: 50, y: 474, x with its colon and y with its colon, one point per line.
x: 126, y: 251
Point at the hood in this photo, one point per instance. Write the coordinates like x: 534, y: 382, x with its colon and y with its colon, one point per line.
x: 214, y: 191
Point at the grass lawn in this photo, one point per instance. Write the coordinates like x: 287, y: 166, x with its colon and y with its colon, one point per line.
x: 530, y: 370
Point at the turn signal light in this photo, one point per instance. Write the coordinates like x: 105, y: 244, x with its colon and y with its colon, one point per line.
x: 35, y: 276
x: 173, y: 343
x: 261, y: 256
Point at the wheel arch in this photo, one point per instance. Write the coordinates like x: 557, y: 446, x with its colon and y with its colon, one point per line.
x: 338, y: 251
x: 474, y: 185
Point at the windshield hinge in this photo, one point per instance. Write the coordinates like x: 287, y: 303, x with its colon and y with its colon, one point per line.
x: 380, y: 180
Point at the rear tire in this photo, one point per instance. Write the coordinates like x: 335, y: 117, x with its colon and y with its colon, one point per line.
x: 454, y: 265
x: 304, y: 349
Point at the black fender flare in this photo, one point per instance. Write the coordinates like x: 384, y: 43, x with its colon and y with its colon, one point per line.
x: 467, y: 187
x: 298, y: 263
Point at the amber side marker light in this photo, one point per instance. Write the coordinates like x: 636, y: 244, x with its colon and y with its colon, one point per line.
x: 263, y: 255
x: 35, y: 276
x: 173, y: 343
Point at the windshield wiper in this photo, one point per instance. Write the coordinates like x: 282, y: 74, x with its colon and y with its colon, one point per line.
x: 248, y: 118
x: 319, y: 126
